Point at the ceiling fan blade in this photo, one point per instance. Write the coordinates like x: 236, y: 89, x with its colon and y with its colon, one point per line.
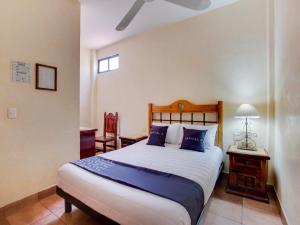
x: 130, y: 15
x: 192, y: 4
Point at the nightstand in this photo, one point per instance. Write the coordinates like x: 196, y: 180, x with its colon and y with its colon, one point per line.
x: 248, y: 172
x: 129, y: 140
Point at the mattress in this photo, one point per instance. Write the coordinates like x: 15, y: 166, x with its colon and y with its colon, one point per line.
x: 130, y: 206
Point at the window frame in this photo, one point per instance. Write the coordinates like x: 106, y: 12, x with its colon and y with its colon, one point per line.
x: 108, y: 63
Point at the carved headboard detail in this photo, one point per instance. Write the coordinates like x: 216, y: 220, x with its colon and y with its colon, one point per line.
x: 183, y: 111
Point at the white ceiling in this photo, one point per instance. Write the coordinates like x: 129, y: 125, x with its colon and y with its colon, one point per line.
x: 100, y: 17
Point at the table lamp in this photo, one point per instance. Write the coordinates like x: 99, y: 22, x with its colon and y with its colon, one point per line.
x: 247, y: 111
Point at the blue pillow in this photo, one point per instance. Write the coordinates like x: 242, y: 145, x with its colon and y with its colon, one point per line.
x: 158, y: 135
x: 193, y: 139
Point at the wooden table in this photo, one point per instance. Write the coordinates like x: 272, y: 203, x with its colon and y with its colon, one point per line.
x: 87, y: 142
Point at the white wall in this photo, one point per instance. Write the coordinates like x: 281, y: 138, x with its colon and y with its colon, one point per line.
x: 287, y: 107
x: 220, y: 55
x: 45, y: 135
x: 85, y: 87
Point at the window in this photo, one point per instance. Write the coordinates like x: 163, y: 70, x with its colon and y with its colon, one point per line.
x: 108, y: 64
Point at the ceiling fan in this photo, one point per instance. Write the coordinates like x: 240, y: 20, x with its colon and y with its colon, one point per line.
x: 190, y: 4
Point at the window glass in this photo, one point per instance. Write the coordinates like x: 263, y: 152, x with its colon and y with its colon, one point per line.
x: 114, y: 63
x: 108, y: 64
x: 103, y: 65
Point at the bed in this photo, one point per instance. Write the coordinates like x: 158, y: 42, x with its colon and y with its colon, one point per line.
x: 116, y: 203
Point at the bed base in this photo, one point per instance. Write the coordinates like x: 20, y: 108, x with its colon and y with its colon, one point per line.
x: 70, y: 200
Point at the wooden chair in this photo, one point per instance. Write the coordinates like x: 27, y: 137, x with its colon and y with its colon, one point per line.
x: 110, y: 131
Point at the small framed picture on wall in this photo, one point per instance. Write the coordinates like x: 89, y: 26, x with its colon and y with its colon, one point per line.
x: 46, y: 77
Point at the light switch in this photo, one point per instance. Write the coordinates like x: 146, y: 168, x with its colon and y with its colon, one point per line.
x: 12, y: 113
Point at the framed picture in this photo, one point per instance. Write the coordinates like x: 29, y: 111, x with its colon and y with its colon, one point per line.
x: 46, y: 77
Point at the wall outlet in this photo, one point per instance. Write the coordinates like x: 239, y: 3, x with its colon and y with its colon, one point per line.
x: 12, y: 113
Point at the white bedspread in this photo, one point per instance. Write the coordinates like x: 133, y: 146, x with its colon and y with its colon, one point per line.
x: 130, y: 206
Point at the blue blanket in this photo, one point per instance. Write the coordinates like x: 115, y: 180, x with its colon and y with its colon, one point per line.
x: 179, y: 189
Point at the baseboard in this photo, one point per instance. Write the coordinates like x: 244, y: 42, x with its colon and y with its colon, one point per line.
x: 271, y: 190
x: 46, y: 192
x: 29, y: 200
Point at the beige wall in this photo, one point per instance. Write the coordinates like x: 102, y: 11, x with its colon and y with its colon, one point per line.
x: 45, y: 134
x: 85, y: 87
x: 220, y: 55
x: 287, y: 107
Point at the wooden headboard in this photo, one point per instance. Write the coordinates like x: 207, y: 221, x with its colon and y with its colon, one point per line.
x: 188, y: 113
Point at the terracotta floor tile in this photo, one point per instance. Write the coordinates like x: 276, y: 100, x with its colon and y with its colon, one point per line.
x: 77, y: 217
x: 250, y: 203
x: 227, y: 205
x: 19, y: 205
x: 3, y: 221
x: 219, y: 191
x: 1, y: 213
x: 223, y: 209
x: 259, y: 213
x: 49, y: 220
x: 28, y: 215
x: 213, y: 219
x: 53, y: 202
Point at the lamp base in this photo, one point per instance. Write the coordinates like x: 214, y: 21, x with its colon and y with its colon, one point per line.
x: 247, y: 144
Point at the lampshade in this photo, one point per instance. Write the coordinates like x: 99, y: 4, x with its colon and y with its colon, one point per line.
x: 246, y: 111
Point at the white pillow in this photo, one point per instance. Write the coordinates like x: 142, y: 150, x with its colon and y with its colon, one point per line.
x: 172, y: 133
x: 210, y: 137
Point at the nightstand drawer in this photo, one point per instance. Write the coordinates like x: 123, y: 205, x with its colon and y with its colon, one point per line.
x: 245, y: 170
x: 248, y: 182
x: 245, y: 165
x: 246, y: 162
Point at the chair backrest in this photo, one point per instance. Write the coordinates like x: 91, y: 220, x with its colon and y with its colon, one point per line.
x: 110, y: 124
